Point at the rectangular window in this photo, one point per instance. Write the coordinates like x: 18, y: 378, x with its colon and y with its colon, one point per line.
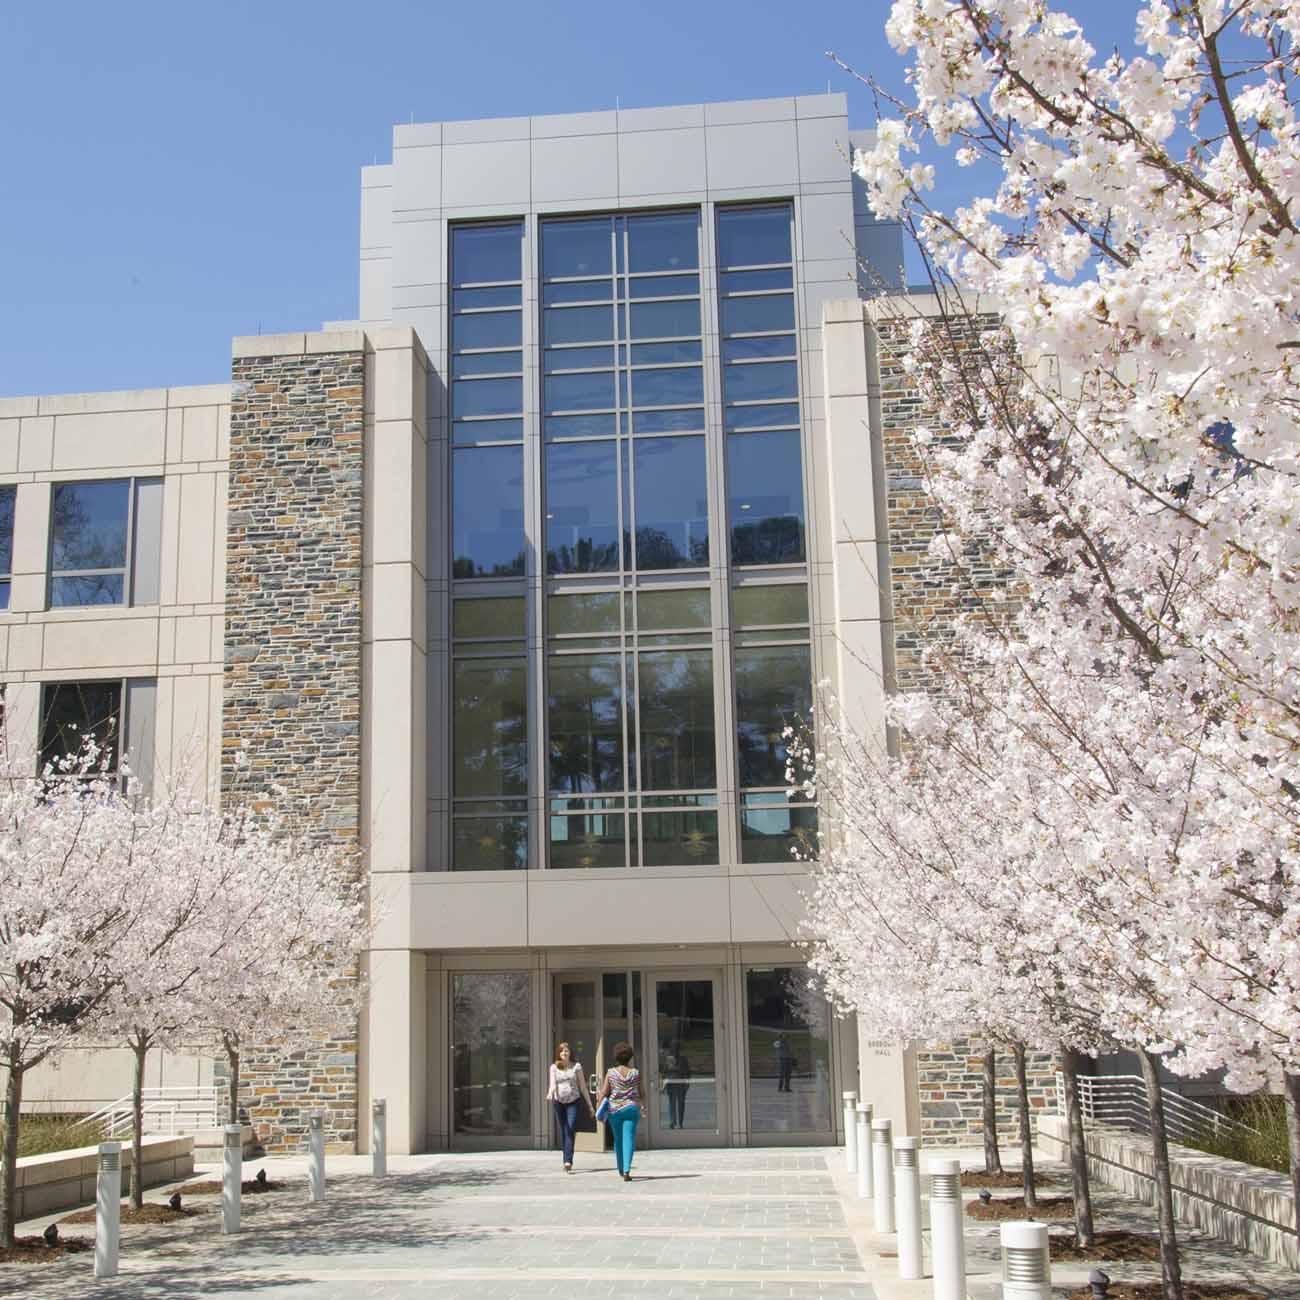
x: 760, y: 390
x: 789, y: 1052
x: 773, y: 665
x: 487, y: 400
x: 106, y: 542
x: 8, y: 495
x: 72, y: 712
x: 489, y: 709
x: 631, y: 491
x: 491, y: 1032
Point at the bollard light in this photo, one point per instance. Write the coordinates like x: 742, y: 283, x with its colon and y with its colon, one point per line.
x: 1099, y: 1284
x: 866, y: 1184
x: 850, y: 1131
x: 907, y: 1206
x: 379, y: 1137
x: 947, y: 1230
x: 316, y: 1155
x: 108, y: 1208
x: 882, y: 1156
x: 1026, y: 1264
x: 232, y: 1177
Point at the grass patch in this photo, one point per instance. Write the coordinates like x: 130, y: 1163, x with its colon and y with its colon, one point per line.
x: 1267, y: 1148
x: 39, y: 1135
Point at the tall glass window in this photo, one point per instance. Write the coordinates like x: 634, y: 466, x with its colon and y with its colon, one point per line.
x: 106, y: 542
x: 789, y: 1052
x: 760, y: 384
x: 623, y: 394
x: 490, y: 1033
x: 773, y: 691
x: 489, y: 734
x: 8, y: 494
x: 632, y: 767
x: 487, y: 400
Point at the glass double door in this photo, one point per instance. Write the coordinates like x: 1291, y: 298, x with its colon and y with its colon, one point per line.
x: 671, y: 1020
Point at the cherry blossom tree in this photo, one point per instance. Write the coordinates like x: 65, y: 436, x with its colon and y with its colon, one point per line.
x: 1134, y: 465
x: 70, y: 896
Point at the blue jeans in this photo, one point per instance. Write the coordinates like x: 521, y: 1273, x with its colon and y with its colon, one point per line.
x: 566, y: 1116
x: 624, y: 1122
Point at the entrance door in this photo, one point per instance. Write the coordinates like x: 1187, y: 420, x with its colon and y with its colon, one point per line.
x: 682, y: 1062
x: 578, y: 1023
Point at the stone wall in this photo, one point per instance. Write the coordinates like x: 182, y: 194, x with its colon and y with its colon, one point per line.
x: 293, y: 673
x: 927, y: 596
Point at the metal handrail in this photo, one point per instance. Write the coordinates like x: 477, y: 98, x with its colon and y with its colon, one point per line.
x: 1120, y: 1101
x: 168, y: 1110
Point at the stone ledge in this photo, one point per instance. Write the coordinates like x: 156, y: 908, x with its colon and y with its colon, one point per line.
x: 1249, y: 1206
x: 63, y: 1180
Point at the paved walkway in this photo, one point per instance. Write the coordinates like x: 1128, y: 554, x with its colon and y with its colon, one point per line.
x: 691, y: 1225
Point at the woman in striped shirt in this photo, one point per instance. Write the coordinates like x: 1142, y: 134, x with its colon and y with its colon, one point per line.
x: 626, y: 1095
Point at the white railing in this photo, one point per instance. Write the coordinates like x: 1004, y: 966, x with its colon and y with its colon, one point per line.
x: 166, y: 1111
x: 1120, y: 1101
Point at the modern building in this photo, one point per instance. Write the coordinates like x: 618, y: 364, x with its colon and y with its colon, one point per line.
x: 518, y: 580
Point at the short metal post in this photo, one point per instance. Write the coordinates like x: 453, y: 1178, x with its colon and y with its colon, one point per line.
x: 232, y: 1177
x: 907, y: 1206
x: 865, y: 1181
x: 947, y: 1230
x: 316, y: 1155
x: 108, y: 1208
x: 850, y: 1132
x: 379, y: 1137
x: 882, y: 1155
x: 1026, y: 1262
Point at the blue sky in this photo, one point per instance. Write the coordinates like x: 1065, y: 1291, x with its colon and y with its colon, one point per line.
x: 175, y: 174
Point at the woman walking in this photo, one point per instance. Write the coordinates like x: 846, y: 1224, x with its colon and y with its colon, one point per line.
x: 626, y: 1096
x: 566, y: 1090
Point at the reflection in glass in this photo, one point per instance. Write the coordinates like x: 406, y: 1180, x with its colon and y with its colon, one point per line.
x: 487, y: 363
x: 679, y: 838
x: 765, y: 345
x: 493, y: 329
x: 649, y: 354
x: 651, y: 320
x: 789, y: 1052
x: 667, y: 241
x: 589, y: 840
x: 688, y: 419
x: 676, y: 387
x: 761, y: 381
x: 687, y: 1055
x: 487, y: 512
x: 498, y: 295
x: 71, y: 711
x: 587, y: 612
x: 777, y: 831
x: 584, y: 716
x: 664, y: 286
x: 677, y: 731
x: 765, y: 605
x: 99, y: 589
x: 773, y: 691
x: 486, y: 253
x: 490, y: 1034
x: 88, y: 532
x: 489, y: 843
x: 672, y: 512
x: 657, y: 610
x: 764, y: 313
x: 466, y: 433
x: 765, y: 497
x: 487, y: 397
x: 754, y: 236
x: 764, y: 415
x: 490, y: 731
x: 577, y: 325
x: 572, y: 248
x: 584, y: 391
x: 582, y: 532
x: 494, y: 616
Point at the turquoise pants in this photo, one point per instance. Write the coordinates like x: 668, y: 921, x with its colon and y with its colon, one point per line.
x: 623, y: 1122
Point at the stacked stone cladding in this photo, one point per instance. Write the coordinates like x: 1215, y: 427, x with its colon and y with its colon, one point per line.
x: 928, y: 595
x: 293, y: 672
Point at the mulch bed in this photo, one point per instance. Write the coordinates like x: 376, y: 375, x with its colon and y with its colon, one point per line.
x: 1191, y: 1290
x: 212, y: 1187
x: 150, y: 1212
x: 1007, y: 1178
x: 33, y: 1250
x: 1117, y: 1247
x: 1013, y: 1207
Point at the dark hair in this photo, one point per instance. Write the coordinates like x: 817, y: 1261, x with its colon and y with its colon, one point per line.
x: 623, y: 1053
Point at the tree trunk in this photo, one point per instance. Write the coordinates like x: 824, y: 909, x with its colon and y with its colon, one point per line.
x: 9, y: 1165
x: 1083, y: 1231
x: 232, y: 1058
x: 992, y: 1156
x: 1026, y: 1133
x: 1291, y: 1089
x: 140, y: 1047
x: 1170, y: 1269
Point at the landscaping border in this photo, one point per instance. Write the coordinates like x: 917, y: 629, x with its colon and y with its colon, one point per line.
x: 1246, y: 1205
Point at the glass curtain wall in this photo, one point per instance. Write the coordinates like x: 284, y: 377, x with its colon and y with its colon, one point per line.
x: 788, y: 1029
x: 491, y: 1027
x: 628, y: 683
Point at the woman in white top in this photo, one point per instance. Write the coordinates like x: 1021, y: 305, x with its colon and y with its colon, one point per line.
x: 566, y: 1090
